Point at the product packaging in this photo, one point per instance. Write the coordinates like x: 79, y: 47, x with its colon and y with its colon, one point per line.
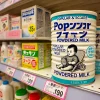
x: 73, y: 46
x: 10, y: 53
x: 31, y: 89
x: 33, y: 55
x: 17, y: 55
x: 16, y: 23
x: 21, y: 94
x: 6, y: 91
x: 33, y: 22
x: 4, y: 53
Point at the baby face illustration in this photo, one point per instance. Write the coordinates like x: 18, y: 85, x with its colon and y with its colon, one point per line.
x: 70, y: 52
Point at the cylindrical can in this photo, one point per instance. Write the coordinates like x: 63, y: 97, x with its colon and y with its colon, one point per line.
x: 73, y: 46
x: 98, y: 50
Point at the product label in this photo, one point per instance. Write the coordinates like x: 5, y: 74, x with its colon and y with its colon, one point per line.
x: 55, y: 90
x: 10, y: 71
x: 28, y: 13
x: 31, y: 28
x: 15, y: 23
x: 14, y: 34
x: 30, y: 55
x: 71, y: 32
x: 28, y: 79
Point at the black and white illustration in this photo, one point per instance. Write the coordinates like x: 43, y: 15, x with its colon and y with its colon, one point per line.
x: 73, y: 60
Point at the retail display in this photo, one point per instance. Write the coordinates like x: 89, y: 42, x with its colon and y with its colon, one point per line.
x: 98, y: 50
x: 45, y: 47
x: 73, y: 52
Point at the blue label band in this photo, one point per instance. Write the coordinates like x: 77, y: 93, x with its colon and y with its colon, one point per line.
x: 98, y: 29
x: 97, y: 67
x: 74, y: 15
x: 73, y: 82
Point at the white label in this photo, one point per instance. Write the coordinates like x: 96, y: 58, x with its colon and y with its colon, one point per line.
x: 10, y: 71
x: 55, y: 90
x: 28, y: 79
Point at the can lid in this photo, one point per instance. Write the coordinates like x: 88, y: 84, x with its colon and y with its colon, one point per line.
x: 15, y: 80
x: 21, y: 92
x: 30, y: 88
x: 34, y: 96
x: 5, y: 82
x: 74, y: 12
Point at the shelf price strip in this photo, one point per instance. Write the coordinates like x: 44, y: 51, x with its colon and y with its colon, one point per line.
x: 10, y: 71
x: 28, y: 79
x: 55, y: 90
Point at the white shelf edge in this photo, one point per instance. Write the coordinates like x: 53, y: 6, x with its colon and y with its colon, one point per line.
x: 38, y: 38
x: 79, y: 93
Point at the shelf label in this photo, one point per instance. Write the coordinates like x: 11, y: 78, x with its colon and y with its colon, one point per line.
x: 16, y: 34
x: 10, y: 71
x: 28, y: 79
x: 55, y: 90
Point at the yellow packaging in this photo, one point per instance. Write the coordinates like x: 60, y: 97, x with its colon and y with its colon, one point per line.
x: 33, y: 56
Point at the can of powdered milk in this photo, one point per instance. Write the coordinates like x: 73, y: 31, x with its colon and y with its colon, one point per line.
x: 73, y: 46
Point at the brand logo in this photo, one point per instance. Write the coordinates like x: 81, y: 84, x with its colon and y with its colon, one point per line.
x: 63, y: 35
x: 29, y: 47
x: 28, y: 13
x: 3, y: 19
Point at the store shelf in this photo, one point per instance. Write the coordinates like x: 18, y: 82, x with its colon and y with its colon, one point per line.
x: 28, y: 39
x: 17, y: 35
x: 54, y: 5
x: 89, y: 92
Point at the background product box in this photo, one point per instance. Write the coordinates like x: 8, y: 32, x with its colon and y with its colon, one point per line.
x: 33, y: 56
x: 6, y: 22
x: 47, y: 23
x: 33, y: 22
x: 16, y: 23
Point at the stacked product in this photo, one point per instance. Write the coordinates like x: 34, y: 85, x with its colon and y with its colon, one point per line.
x: 34, y: 21
x: 98, y: 51
x: 73, y: 46
x: 11, y: 54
